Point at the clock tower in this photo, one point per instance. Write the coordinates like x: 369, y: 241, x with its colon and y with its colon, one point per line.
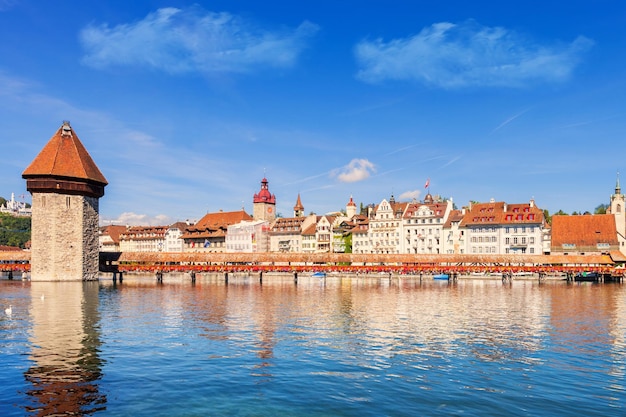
x: 264, y: 203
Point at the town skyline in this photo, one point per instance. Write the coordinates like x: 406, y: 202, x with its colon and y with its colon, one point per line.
x: 185, y: 106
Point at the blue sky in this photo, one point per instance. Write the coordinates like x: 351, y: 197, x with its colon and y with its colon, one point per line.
x: 186, y: 106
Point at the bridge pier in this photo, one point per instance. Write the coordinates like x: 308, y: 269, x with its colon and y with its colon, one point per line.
x: 261, y: 277
x: 159, y: 276
x: 295, y: 277
x: 193, y: 276
x: 542, y: 276
x: 10, y: 275
x: 226, y: 277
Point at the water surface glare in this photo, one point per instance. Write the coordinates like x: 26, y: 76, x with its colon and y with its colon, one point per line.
x: 340, y: 346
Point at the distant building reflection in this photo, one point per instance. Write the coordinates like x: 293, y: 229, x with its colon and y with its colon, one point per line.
x: 65, y: 344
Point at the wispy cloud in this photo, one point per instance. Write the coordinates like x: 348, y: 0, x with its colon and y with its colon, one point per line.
x: 450, y: 162
x: 142, y: 171
x: 193, y: 40
x: 448, y: 55
x: 405, y: 148
x: 7, y: 4
x: 410, y: 195
x: 356, y: 170
x: 507, y: 121
x: 135, y: 219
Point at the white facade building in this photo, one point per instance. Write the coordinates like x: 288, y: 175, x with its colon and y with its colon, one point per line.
x: 248, y: 237
x: 423, y: 226
x: 385, y: 227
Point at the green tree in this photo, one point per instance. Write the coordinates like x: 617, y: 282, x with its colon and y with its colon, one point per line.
x: 14, y: 231
x: 546, y: 215
x: 601, y: 209
x: 347, y: 241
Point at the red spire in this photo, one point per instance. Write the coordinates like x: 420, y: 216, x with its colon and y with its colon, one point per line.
x: 351, y: 202
x: 264, y: 196
x: 298, y: 206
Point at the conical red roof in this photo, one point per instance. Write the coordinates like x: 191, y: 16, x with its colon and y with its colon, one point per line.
x: 65, y: 156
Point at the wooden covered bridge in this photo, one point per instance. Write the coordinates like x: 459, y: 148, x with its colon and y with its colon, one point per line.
x: 606, y: 267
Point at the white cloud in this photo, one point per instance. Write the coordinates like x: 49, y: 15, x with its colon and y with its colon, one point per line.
x: 451, y: 55
x: 135, y: 219
x: 356, y: 170
x: 410, y: 195
x: 193, y: 40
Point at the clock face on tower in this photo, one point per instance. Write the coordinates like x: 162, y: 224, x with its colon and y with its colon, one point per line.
x: 269, y: 210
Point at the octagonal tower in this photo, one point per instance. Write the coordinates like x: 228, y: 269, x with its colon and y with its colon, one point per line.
x: 66, y: 185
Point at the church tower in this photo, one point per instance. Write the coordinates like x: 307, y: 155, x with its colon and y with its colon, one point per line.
x: 298, y: 209
x: 617, y: 207
x: 350, y: 208
x: 65, y: 185
x: 264, y: 204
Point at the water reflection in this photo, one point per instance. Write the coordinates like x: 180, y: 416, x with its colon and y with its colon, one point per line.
x: 65, y: 340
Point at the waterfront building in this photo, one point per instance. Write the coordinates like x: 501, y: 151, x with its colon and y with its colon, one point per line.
x: 323, y: 233
x: 264, y: 203
x: 109, y: 238
x: 66, y: 186
x: 501, y: 228
x: 454, y: 234
x: 209, y: 234
x: 248, y: 237
x: 385, y: 227
x: 360, y: 237
x: 423, y: 223
x: 286, y: 233
x: 174, y: 237
x: 309, y: 239
x: 342, y: 235
x: 143, y: 239
x: 585, y: 234
x: 16, y: 208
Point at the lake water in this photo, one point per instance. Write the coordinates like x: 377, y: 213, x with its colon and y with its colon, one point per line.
x: 340, y: 346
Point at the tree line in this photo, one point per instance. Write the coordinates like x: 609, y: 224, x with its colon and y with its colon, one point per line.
x: 14, y: 231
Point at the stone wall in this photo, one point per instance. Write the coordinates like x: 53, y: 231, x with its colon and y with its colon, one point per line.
x: 64, y: 237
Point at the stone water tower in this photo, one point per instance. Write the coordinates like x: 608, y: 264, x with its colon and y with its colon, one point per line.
x: 65, y: 184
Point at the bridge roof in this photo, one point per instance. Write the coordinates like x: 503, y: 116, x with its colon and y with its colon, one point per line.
x: 370, y: 259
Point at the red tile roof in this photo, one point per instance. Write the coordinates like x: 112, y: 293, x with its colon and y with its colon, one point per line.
x: 584, y: 231
x: 310, y: 231
x: 114, y: 232
x: 215, y: 224
x: 65, y: 156
x: 502, y: 213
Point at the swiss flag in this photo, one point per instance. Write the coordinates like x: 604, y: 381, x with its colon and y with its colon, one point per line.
x: 427, y: 183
